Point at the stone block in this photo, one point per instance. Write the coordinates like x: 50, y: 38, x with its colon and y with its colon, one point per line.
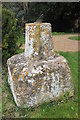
x: 33, y: 82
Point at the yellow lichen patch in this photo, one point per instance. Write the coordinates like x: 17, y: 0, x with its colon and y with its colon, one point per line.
x: 33, y: 27
x: 41, y: 80
x: 33, y: 45
x: 54, y: 51
x: 23, y: 78
x: 33, y: 90
x: 16, y: 82
x: 26, y: 72
x: 25, y: 25
x: 30, y: 24
x: 35, y: 68
x: 35, y: 74
x: 38, y: 25
x: 25, y: 28
x: 40, y: 87
x: 32, y: 36
x: 9, y: 64
x: 22, y: 74
x: 13, y: 77
x: 37, y: 31
x: 14, y: 70
x: 22, y: 92
x: 29, y: 44
x: 19, y: 89
x: 45, y: 70
x: 29, y: 39
x: 18, y: 77
x: 46, y: 32
x: 16, y: 91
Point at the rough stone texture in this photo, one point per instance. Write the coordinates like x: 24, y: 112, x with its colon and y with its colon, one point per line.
x: 38, y: 75
x: 38, y: 41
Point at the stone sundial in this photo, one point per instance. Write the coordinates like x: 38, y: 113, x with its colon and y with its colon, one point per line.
x: 38, y: 74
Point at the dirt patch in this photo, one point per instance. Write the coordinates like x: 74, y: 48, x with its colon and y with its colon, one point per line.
x: 62, y: 43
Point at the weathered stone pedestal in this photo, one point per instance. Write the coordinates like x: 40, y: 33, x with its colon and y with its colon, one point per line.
x: 38, y: 75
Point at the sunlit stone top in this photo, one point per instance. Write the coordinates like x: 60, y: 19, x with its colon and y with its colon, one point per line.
x: 38, y: 41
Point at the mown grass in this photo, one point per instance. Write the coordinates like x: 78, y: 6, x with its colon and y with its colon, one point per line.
x: 62, y: 33
x: 74, y: 38
x: 64, y: 109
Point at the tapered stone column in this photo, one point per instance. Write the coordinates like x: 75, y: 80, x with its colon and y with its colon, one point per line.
x: 38, y: 41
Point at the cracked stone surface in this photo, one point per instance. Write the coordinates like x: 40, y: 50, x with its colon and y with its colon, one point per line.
x: 38, y: 75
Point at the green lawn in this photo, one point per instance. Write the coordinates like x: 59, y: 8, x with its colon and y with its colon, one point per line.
x: 65, y: 109
x: 74, y: 38
x: 62, y: 33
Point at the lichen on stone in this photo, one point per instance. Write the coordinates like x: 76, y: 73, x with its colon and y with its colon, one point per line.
x: 38, y: 74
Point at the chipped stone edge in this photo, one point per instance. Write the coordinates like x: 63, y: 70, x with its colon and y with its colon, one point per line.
x: 11, y: 86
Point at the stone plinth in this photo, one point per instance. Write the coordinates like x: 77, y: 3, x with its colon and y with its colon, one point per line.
x: 38, y: 75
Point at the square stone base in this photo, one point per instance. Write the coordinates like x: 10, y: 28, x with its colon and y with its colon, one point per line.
x: 35, y: 81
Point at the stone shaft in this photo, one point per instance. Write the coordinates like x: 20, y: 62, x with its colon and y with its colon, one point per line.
x: 38, y: 41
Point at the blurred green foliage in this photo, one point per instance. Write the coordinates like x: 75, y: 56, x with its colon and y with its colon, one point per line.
x: 10, y: 34
x: 64, y: 17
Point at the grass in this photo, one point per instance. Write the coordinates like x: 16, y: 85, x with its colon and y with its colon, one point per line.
x: 62, y: 33
x: 74, y: 38
x: 68, y: 109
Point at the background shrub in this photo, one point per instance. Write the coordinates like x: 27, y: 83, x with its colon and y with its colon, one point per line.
x: 10, y: 34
